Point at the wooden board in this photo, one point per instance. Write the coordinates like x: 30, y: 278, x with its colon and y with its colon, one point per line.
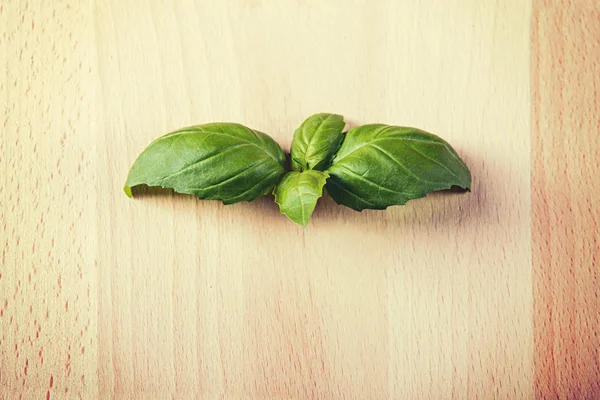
x: 492, y: 294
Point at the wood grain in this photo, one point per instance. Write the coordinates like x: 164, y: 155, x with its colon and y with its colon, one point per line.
x: 566, y: 221
x: 165, y: 296
x: 48, y: 227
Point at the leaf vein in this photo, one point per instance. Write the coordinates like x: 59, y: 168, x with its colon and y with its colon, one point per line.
x: 309, y: 143
x: 432, y: 159
x: 235, y: 198
x: 399, y: 163
x: 350, y: 193
x: 192, y: 165
x: 159, y: 157
x: 362, y: 178
x: 200, y: 129
x: 247, y: 169
x: 301, y: 205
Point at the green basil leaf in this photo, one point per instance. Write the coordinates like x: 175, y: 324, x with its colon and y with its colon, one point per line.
x: 378, y: 166
x: 218, y: 161
x: 316, y: 142
x: 298, y: 192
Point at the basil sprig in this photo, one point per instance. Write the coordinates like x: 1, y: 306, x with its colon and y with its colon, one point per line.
x: 369, y: 167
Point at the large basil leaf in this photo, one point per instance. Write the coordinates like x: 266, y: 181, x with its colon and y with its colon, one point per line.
x: 378, y: 166
x: 316, y: 141
x: 218, y: 161
x: 298, y: 192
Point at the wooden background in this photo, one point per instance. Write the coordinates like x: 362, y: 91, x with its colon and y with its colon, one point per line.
x: 492, y: 294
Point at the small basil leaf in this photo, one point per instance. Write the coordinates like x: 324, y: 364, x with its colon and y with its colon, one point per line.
x: 218, y: 161
x: 316, y: 141
x: 298, y: 192
x: 378, y: 166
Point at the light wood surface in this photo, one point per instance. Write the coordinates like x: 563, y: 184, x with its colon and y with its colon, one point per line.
x: 492, y: 294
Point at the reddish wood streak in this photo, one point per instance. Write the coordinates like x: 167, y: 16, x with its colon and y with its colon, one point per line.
x: 566, y: 118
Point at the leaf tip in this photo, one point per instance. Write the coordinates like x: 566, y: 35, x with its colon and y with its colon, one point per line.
x: 127, y: 190
x: 302, y: 223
